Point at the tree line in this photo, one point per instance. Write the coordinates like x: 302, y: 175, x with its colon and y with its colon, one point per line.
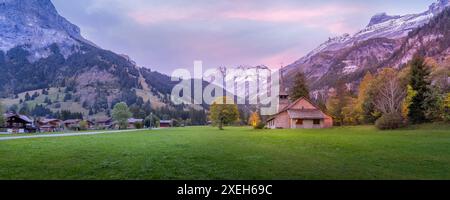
x: 394, y: 98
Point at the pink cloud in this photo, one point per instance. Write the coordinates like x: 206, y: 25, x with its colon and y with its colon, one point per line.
x: 339, y: 27
x: 328, y: 17
x: 282, y: 59
x: 290, y: 14
x: 152, y: 16
x: 272, y: 15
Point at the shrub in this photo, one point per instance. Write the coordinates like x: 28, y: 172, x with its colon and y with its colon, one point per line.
x: 254, y: 120
x: 176, y: 123
x: 390, y: 121
x: 139, y: 125
x: 74, y: 128
x: 260, y: 126
x: 446, y: 108
x: 83, y: 125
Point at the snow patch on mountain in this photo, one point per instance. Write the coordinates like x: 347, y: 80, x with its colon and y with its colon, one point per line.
x: 350, y: 67
x: 243, y: 79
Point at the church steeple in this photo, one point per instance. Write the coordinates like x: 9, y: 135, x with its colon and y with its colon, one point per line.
x: 283, y: 95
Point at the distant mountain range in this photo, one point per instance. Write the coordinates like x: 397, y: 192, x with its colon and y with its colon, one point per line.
x: 387, y: 41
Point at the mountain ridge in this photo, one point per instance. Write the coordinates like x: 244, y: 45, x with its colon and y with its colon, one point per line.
x: 349, y: 57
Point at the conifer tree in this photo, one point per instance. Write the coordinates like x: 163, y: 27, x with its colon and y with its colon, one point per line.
x: 27, y: 97
x: 300, y: 88
x: 420, y: 84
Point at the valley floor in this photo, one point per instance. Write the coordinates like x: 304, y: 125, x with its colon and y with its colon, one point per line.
x: 205, y: 153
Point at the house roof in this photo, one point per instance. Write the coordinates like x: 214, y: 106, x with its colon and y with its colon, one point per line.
x: 21, y: 117
x: 103, y: 120
x: 306, y: 114
x: 133, y: 120
x: 45, y: 121
x: 71, y: 121
x: 26, y: 118
x: 48, y: 126
x: 289, y: 107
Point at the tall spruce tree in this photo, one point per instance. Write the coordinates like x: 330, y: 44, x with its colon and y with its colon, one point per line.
x: 419, y: 83
x: 300, y: 88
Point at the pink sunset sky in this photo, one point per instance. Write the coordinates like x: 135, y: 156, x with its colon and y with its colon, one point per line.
x: 169, y: 34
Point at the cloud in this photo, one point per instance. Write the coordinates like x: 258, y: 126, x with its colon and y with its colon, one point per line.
x: 330, y: 18
x: 300, y: 15
x: 167, y: 34
x: 339, y: 27
x: 157, y: 16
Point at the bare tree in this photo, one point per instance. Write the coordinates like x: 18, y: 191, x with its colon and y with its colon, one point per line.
x: 390, y: 94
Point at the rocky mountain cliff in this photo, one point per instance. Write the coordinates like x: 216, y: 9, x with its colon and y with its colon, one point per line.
x: 35, y: 25
x: 387, y: 41
x: 42, y: 51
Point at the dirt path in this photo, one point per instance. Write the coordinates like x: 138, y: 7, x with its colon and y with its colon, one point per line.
x: 64, y: 135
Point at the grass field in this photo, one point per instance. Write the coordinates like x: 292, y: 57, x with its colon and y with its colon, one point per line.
x: 204, y: 153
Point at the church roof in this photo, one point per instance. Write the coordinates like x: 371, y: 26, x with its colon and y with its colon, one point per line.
x: 306, y: 114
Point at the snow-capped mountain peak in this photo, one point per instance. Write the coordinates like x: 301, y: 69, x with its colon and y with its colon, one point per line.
x: 381, y: 26
x: 387, y: 40
x: 380, y: 18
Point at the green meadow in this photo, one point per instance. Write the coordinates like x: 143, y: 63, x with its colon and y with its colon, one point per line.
x: 205, y: 153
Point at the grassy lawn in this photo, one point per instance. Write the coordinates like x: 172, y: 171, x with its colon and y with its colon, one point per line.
x: 237, y: 153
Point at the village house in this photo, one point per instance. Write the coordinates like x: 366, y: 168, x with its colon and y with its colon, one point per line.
x: 165, y: 123
x: 300, y: 114
x: 104, y: 123
x: 132, y: 122
x: 50, y: 125
x: 19, y: 124
x: 74, y: 124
